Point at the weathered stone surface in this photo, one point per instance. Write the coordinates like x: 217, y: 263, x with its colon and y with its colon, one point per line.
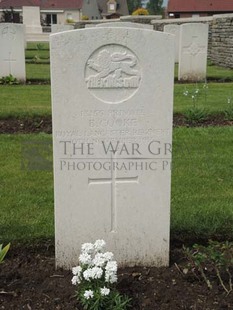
x: 143, y: 19
x: 175, y: 30
x: 60, y: 28
x: 112, y: 93
x: 12, y: 55
x: 193, y: 52
x: 31, y: 19
x: 222, y: 40
x: 126, y: 25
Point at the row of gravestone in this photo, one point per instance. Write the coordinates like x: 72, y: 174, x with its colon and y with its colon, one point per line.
x: 13, y: 43
x: 191, y: 42
x: 12, y: 53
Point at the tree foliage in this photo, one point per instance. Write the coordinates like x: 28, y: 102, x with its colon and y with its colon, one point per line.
x: 133, y: 5
x: 155, y: 7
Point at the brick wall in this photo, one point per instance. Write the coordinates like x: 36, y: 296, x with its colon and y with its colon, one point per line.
x: 222, y: 41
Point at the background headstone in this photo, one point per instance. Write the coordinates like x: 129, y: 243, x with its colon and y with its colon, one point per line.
x: 12, y: 55
x: 175, y: 30
x: 60, y: 28
x: 193, y: 52
x: 112, y: 94
x: 126, y: 25
x: 31, y: 19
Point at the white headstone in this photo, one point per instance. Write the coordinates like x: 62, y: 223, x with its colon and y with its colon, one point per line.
x: 193, y: 52
x: 12, y: 55
x: 126, y: 25
x: 31, y: 19
x: 112, y: 93
x: 60, y: 28
x: 175, y: 30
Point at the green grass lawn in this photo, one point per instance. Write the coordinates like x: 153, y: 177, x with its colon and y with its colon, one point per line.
x: 35, y: 100
x: 202, y: 183
x: 26, y: 197
x: 25, y: 101
x: 212, y: 96
x: 214, y: 73
x: 43, y: 54
x: 37, y: 61
x: 38, y: 46
x: 38, y: 72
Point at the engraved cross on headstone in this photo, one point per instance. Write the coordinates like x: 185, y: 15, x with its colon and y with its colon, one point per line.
x: 194, y: 48
x: 113, y: 180
x: 10, y: 60
x: 8, y: 33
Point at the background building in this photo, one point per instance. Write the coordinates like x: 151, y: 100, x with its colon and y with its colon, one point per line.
x: 64, y: 11
x: 195, y: 8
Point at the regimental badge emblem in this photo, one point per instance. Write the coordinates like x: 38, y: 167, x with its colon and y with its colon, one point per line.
x: 112, y: 73
x: 8, y: 33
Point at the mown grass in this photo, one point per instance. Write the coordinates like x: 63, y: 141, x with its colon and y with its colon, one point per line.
x: 26, y: 196
x: 202, y: 195
x: 35, y: 72
x: 221, y: 73
x: 43, y: 54
x: 213, y: 97
x: 37, y: 61
x: 35, y: 100
x: 37, y: 45
x: 214, y: 73
x: 202, y: 183
x: 25, y: 101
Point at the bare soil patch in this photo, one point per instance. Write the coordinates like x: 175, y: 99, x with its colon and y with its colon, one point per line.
x: 28, y: 280
x: 44, y: 124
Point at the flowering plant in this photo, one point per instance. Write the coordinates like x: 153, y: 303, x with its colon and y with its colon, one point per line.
x: 196, y: 114
x: 95, y: 278
x: 140, y: 11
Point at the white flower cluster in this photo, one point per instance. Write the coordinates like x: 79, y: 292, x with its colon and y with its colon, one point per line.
x: 110, y: 272
x: 95, y: 264
x: 90, y: 294
x: 93, y: 273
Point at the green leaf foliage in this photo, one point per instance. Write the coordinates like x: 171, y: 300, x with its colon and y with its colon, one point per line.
x: 215, y: 259
x: 9, y: 80
x: 155, y: 7
x: 3, y: 251
x: 133, y: 5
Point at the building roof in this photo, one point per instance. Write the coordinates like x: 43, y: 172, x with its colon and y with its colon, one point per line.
x: 122, y: 7
x: 200, y: 6
x: 43, y: 4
